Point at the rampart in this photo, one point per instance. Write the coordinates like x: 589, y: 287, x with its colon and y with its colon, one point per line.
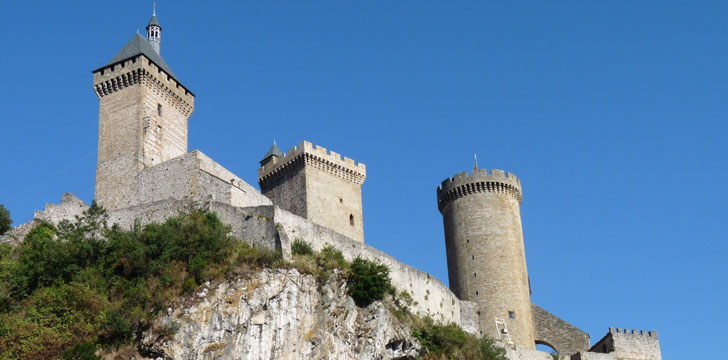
x: 481, y: 180
x: 274, y: 228
x: 563, y: 337
x: 316, y: 156
x: 624, y: 344
x: 68, y: 209
x: 195, y: 175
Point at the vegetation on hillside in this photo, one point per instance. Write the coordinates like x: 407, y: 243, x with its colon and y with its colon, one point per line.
x: 68, y: 290
x: 451, y: 342
x: 72, y: 288
x: 5, y: 221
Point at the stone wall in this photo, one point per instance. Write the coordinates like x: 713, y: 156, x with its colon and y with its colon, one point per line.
x: 593, y: 356
x: 274, y: 228
x: 486, y: 258
x: 69, y: 208
x: 319, y: 185
x: 194, y: 175
x: 563, y: 337
x: 629, y: 345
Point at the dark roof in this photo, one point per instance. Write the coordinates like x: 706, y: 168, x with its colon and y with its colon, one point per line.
x: 139, y: 45
x: 274, y: 151
x: 154, y: 21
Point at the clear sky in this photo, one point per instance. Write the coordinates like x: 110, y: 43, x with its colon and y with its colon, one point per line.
x: 609, y: 112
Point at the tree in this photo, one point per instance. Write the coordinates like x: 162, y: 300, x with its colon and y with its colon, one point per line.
x: 368, y: 281
x: 5, y: 221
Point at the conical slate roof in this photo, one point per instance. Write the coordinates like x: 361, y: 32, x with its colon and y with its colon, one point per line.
x: 139, y: 45
x: 154, y: 21
x: 274, y: 151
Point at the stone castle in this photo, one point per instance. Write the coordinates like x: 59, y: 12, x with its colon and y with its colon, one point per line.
x: 145, y: 173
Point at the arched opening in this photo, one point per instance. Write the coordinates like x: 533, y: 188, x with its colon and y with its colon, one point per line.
x: 547, y: 348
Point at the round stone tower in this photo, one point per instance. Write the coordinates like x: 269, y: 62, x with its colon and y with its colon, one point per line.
x: 486, y: 260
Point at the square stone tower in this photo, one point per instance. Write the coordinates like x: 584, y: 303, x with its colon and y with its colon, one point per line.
x: 143, y: 113
x: 316, y: 184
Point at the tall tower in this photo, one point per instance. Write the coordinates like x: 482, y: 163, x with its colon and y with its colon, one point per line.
x: 143, y: 112
x: 486, y: 260
x: 316, y: 184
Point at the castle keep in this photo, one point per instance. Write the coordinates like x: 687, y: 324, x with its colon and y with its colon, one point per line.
x: 145, y: 174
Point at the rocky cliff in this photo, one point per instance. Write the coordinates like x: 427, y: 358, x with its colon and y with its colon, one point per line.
x: 278, y: 314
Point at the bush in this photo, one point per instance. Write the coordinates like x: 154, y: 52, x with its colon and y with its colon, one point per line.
x: 330, y: 258
x: 451, y: 342
x: 300, y: 247
x: 368, y: 281
x: 82, y: 351
x: 5, y: 221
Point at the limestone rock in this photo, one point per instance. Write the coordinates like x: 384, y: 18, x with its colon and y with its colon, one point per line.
x: 278, y: 314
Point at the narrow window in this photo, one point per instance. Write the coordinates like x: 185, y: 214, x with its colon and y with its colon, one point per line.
x: 475, y: 274
x: 511, y: 314
x: 341, y: 200
x: 476, y: 292
x: 472, y: 257
x: 351, y: 220
x: 159, y: 109
x: 159, y: 131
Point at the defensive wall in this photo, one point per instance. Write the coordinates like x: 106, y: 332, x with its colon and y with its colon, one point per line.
x: 68, y: 209
x: 552, y: 331
x: 273, y: 228
x: 624, y: 344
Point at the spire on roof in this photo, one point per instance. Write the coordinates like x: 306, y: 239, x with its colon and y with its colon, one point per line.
x: 273, y: 151
x: 154, y: 31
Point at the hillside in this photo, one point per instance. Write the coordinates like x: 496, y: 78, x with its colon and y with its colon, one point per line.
x: 187, y: 289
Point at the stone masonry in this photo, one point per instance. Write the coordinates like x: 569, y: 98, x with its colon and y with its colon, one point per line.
x: 318, y: 185
x: 486, y: 260
x: 623, y: 344
x: 143, y: 114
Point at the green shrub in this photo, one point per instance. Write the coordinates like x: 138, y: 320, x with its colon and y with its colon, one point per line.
x: 368, y: 281
x: 82, y: 351
x: 330, y: 258
x: 451, y: 342
x: 5, y: 220
x: 300, y: 247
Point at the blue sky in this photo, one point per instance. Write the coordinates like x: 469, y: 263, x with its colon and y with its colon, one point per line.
x: 612, y: 114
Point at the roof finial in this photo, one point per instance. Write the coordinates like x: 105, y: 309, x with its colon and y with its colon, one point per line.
x: 476, y: 162
x: 154, y: 11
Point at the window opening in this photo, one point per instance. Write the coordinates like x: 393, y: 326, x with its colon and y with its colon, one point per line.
x: 511, y: 314
x: 159, y: 109
x: 159, y: 131
x: 351, y: 220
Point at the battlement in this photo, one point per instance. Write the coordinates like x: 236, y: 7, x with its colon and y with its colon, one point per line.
x: 481, y: 180
x: 652, y: 334
x: 141, y: 70
x: 629, y: 344
x: 306, y: 154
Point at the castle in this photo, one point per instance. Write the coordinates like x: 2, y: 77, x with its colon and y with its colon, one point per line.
x: 146, y: 173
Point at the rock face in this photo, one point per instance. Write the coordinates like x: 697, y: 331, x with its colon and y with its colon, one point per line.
x: 279, y: 314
